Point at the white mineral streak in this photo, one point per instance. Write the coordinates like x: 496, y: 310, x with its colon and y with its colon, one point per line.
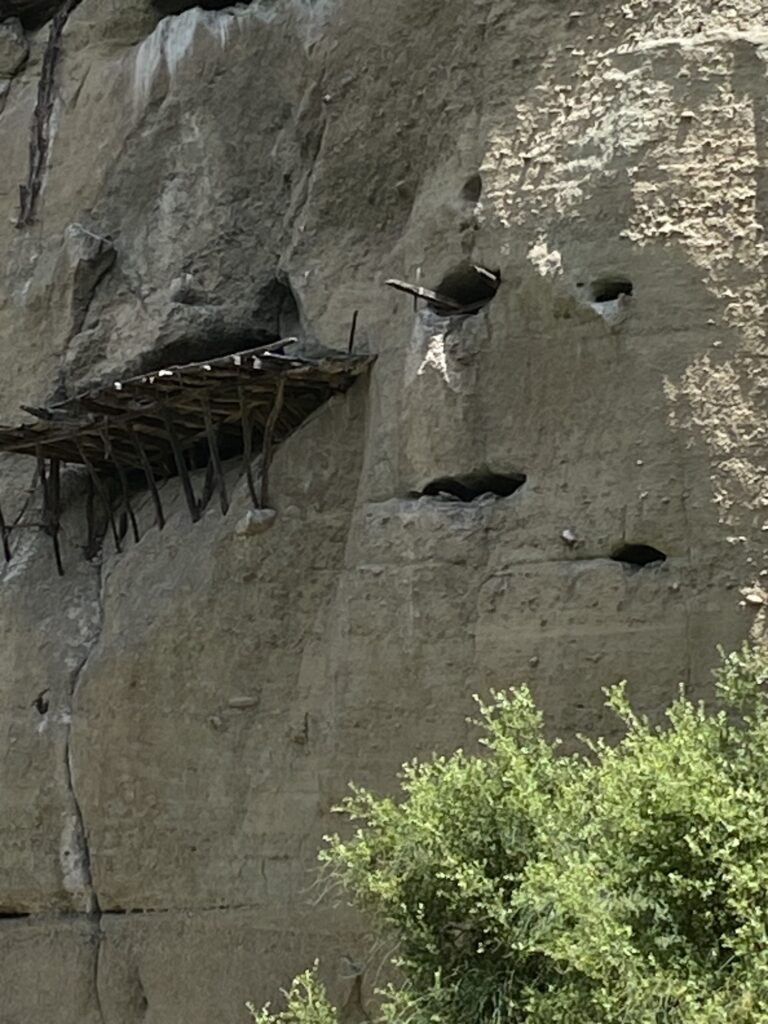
x: 174, y: 37
x: 172, y: 41
x: 72, y: 857
x: 548, y: 262
x: 429, y: 351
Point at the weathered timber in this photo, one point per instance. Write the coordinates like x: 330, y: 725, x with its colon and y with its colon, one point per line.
x: 181, y: 466
x: 40, y: 132
x: 266, y: 451
x: 215, y: 460
x: 174, y: 420
x: 103, y: 496
x: 4, y: 535
x: 149, y: 476
x: 247, y: 428
x: 441, y: 304
x: 352, y: 332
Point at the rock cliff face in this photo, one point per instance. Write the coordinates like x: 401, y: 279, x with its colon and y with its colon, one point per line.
x: 179, y: 718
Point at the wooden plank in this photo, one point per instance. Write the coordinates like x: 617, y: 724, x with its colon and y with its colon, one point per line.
x: 127, y: 499
x: 103, y: 497
x: 215, y: 461
x: 40, y: 134
x: 266, y: 450
x: 443, y: 305
x: 5, y: 537
x: 150, y: 478
x: 55, y: 511
x: 42, y: 473
x: 352, y: 332
x: 246, y: 421
x: 90, y: 521
x: 209, y: 484
x: 181, y: 466
x: 51, y: 498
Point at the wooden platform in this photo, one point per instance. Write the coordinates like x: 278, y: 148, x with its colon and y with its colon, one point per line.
x: 174, y: 421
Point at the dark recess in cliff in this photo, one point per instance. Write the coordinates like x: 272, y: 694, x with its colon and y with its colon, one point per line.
x: 32, y: 13
x: 178, y: 6
x: 473, y: 485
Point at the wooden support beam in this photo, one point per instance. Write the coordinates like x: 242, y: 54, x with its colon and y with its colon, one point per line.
x: 146, y: 465
x: 51, y: 499
x: 40, y: 134
x: 116, y: 461
x: 269, y: 431
x: 103, y: 496
x: 42, y: 473
x: 127, y: 499
x: 90, y: 521
x: 181, y: 466
x: 209, y: 485
x: 4, y: 537
x: 352, y: 331
x: 215, y: 459
x: 55, y: 511
x: 246, y: 423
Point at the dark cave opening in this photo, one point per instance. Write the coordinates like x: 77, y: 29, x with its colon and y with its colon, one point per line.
x: 609, y: 289
x: 472, y: 189
x: 638, y: 555
x: 165, y: 7
x: 32, y: 13
x: 468, y: 287
x: 468, y: 487
x: 275, y: 308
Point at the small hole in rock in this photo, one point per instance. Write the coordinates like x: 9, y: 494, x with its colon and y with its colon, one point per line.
x: 473, y: 485
x: 467, y: 288
x: 41, y: 702
x: 638, y: 555
x: 609, y: 289
x: 473, y: 189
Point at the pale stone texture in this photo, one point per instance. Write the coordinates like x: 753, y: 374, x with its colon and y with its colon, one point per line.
x: 14, y: 49
x: 211, y: 695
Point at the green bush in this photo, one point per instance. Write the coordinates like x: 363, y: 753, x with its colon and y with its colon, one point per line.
x: 306, y: 1002
x: 627, y: 884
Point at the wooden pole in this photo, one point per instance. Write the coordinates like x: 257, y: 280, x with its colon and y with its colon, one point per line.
x: 146, y: 465
x: 246, y: 425
x: 181, y: 466
x: 213, y: 448
x: 352, y: 332
x: 90, y: 521
x: 127, y: 498
x: 103, y: 496
x: 209, y: 484
x: 51, y: 491
x: 55, y: 511
x: 4, y: 534
x: 269, y: 430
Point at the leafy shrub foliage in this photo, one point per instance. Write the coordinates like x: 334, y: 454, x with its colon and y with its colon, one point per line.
x: 627, y: 884
x: 306, y: 1002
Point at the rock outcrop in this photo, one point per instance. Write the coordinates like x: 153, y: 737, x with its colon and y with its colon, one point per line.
x: 179, y: 719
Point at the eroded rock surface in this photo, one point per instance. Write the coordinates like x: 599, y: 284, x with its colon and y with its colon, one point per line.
x: 220, y: 177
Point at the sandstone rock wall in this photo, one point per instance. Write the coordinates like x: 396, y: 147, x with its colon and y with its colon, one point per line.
x: 263, y: 169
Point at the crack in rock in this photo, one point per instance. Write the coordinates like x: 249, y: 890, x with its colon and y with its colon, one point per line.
x: 74, y: 850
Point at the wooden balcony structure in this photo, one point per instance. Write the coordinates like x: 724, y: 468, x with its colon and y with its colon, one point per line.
x: 173, y: 422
